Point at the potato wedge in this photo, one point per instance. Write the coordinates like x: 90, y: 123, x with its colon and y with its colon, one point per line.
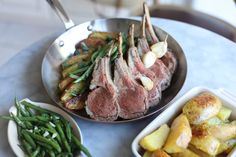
x: 76, y: 59
x: 103, y: 35
x: 224, y: 113
x: 185, y: 153
x: 156, y: 139
x: 223, y: 132
x: 202, y: 108
x: 203, y: 140
x: 75, y: 103
x: 180, y: 135
x: 65, y: 82
x: 69, y: 70
x: 74, y: 88
x: 159, y: 153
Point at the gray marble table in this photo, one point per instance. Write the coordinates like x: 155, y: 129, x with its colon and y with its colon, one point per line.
x: 211, y: 63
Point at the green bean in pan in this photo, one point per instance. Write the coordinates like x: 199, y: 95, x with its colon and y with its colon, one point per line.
x: 85, y: 75
x: 78, y: 71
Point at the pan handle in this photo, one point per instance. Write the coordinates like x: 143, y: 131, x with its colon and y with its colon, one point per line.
x: 57, y: 7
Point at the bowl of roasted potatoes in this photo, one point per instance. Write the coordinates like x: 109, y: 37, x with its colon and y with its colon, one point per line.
x: 202, y: 123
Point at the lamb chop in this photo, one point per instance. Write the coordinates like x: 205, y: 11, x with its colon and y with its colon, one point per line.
x: 170, y: 61
x: 132, y: 97
x: 168, y: 57
x: 102, y: 100
x: 141, y: 73
x: 156, y: 65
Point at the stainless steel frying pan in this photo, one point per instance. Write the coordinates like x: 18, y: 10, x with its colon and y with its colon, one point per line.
x: 64, y: 46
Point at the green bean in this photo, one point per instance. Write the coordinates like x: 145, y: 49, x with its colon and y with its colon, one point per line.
x: 26, y: 147
x: 28, y: 138
x: 80, y: 146
x: 36, y: 152
x: 37, y: 108
x: 44, y: 145
x: 18, y: 121
x: 51, y: 153
x: 68, y: 131
x: 54, y: 132
x: 65, y: 154
x: 95, y: 54
x: 62, y: 135
x: 19, y: 132
x: 85, y: 75
x: 50, y: 142
x: 39, y: 119
x: 17, y: 107
x: 29, y: 111
x: 20, y: 110
x: 42, y: 153
x: 6, y: 117
x: 80, y: 70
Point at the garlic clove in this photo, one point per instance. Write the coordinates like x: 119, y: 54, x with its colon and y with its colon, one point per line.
x: 149, y: 59
x: 160, y: 48
x: 146, y: 82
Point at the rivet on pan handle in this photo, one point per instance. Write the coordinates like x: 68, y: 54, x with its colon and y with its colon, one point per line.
x: 57, y: 7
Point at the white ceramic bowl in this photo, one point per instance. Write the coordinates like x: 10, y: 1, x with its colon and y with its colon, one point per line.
x: 173, y: 110
x: 12, y: 127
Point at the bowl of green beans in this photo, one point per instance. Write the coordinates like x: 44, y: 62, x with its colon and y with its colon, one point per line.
x: 43, y: 130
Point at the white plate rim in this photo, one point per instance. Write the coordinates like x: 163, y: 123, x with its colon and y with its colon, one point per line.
x: 12, y: 129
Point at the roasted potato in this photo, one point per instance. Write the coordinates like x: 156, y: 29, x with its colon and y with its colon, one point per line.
x: 185, y: 153
x: 180, y: 135
x: 147, y: 154
x: 213, y: 121
x: 203, y: 140
x: 224, y: 113
x: 226, y: 146
x: 198, y: 151
x: 156, y: 139
x: 223, y: 132
x: 159, y: 153
x: 202, y: 108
